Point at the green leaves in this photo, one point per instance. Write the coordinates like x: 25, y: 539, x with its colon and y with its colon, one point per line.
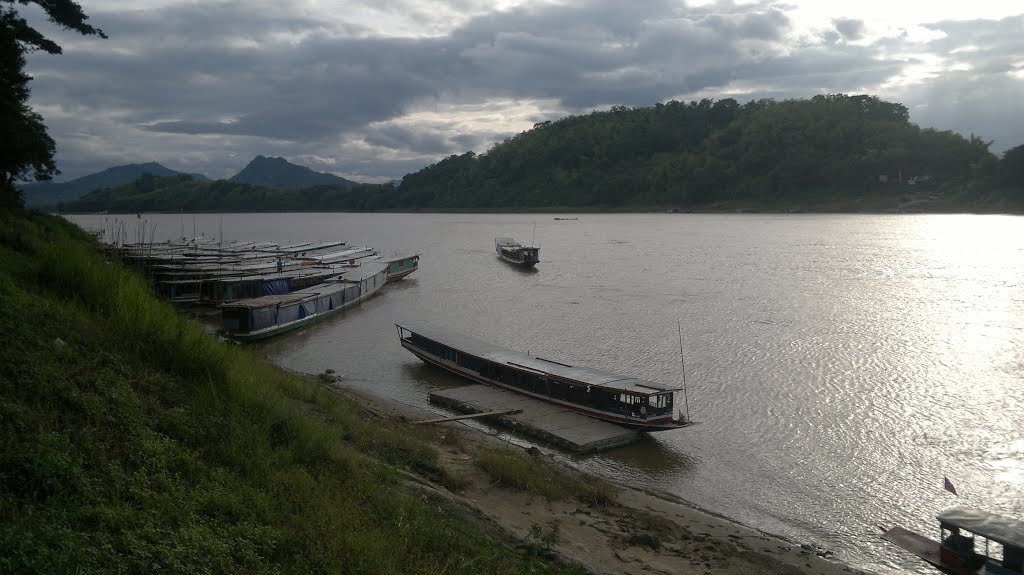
x: 25, y: 148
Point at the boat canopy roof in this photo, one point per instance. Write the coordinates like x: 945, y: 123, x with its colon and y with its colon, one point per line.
x: 308, y: 247
x: 363, y: 271
x: 354, y: 253
x: 998, y: 528
x: 525, y: 362
x: 350, y: 276
x: 269, y: 300
x: 507, y: 243
x: 397, y: 256
x: 287, y: 274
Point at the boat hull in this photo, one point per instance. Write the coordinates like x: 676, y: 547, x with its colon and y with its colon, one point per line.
x: 312, y: 297
x: 518, y: 264
x: 465, y: 373
x: 308, y: 320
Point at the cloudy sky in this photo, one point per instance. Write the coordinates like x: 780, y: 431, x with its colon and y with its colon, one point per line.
x: 372, y: 90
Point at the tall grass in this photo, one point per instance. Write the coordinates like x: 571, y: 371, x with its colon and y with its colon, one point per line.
x: 533, y: 475
x: 132, y: 440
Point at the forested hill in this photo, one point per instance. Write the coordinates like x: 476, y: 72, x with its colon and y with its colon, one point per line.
x: 834, y: 152
x: 765, y: 153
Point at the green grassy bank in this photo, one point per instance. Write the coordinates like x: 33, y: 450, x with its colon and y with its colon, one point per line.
x: 133, y: 441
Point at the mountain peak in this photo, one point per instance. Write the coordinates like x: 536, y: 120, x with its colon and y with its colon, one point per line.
x: 280, y: 173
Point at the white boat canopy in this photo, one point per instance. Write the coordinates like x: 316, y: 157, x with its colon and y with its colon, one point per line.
x: 998, y: 528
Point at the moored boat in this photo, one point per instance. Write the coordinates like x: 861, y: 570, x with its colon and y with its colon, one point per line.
x: 516, y: 253
x: 400, y: 266
x: 956, y: 553
x: 263, y: 317
x: 633, y: 402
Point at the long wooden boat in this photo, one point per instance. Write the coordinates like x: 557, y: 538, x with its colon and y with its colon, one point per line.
x: 633, y: 402
x: 516, y: 253
x: 267, y: 316
x: 956, y: 554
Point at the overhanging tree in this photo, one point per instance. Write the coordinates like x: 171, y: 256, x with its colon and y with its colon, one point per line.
x: 26, y: 150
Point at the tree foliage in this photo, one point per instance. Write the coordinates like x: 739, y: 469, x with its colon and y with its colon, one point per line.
x: 764, y: 152
x: 152, y: 193
x: 25, y: 147
x: 1012, y: 167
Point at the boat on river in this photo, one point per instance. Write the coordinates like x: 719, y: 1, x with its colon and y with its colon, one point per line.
x: 516, y: 253
x: 400, y: 266
x: 635, y: 403
x: 956, y: 552
x: 263, y: 317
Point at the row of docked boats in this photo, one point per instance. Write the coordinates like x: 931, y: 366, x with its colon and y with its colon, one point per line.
x: 263, y: 288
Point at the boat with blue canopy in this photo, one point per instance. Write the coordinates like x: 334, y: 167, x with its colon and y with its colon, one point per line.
x: 266, y: 316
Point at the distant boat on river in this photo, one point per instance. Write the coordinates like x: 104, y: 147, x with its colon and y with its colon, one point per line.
x: 516, y: 253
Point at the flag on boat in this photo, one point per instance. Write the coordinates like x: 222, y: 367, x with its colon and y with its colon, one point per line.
x: 948, y: 486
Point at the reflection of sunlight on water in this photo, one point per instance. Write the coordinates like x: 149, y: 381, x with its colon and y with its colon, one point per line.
x: 1009, y: 463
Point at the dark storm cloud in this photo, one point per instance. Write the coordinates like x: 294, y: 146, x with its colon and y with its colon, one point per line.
x: 849, y: 28
x: 818, y: 69
x: 398, y: 137
x: 615, y: 52
x: 213, y: 84
x: 186, y: 73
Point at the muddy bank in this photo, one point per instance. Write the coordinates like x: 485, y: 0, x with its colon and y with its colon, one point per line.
x: 636, y: 533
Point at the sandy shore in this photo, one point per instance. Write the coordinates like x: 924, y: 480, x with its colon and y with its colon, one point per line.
x: 638, y: 533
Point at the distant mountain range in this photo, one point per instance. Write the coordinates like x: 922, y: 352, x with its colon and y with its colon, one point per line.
x: 49, y: 194
x: 262, y: 171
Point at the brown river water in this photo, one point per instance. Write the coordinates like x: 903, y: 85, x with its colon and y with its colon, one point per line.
x: 838, y: 365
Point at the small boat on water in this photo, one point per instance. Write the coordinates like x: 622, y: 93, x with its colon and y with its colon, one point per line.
x: 516, y: 253
x: 956, y: 553
x: 636, y: 403
x: 400, y: 266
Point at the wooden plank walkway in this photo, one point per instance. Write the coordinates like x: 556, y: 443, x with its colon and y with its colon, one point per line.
x: 545, y: 421
x: 470, y: 416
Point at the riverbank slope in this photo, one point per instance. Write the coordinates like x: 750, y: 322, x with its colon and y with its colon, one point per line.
x: 134, y: 440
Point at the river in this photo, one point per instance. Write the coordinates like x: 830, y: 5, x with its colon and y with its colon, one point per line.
x: 839, y: 366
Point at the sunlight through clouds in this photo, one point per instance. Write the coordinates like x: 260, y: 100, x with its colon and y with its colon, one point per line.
x: 387, y: 87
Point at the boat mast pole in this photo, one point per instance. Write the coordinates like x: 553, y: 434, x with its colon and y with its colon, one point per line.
x: 686, y: 400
